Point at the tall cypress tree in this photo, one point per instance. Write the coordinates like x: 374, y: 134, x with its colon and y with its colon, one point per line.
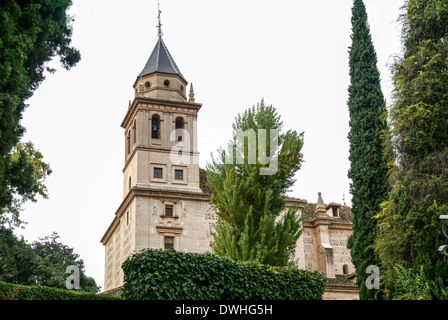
x: 368, y: 168
x: 410, y: 229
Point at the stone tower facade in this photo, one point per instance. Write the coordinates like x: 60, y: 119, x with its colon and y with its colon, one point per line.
x: 165, y: 198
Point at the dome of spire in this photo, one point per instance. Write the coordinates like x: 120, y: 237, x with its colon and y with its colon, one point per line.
x: 161, y: 61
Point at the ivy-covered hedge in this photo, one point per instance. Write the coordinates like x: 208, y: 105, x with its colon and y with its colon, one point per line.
x: 9, y: 291
x: 170, y: 275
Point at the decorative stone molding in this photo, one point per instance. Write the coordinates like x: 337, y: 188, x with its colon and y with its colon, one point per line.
x: 169, y: 229
x: 327, y: 251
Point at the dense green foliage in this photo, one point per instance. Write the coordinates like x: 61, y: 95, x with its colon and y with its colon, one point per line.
x: 42, y: 263
x: 10, y: 291
x: 170, y: 275
x: 32, y: 32
x: 368, y: 166
x: 409, y: 228
x: 411, y: 285
x: 251, y: 224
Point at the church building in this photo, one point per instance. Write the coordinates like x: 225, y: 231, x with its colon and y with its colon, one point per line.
x: 166, y: 202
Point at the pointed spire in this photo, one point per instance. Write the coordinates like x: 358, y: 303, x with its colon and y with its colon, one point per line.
x: 320, y: 206
x: 191, y: 94
x: 161, y: 60
x: 320, y: 201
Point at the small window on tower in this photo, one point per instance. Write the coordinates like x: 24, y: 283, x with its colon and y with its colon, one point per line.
x: 166, y: 83
x: 179, y: 125
x: 155, y: 127
x: 345, y: 269
x: 168, y: 211
x: 135, y: 131
x: 169, y: 243
x: 179, y: 174
x: 335, y: 212
x: 158, y: 173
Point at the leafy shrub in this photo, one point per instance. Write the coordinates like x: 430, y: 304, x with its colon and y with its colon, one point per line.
x: 169, y: 275
x: 412, y: 285
x: 9, y: 291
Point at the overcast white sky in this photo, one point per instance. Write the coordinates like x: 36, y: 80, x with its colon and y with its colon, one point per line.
x: 294, y: 54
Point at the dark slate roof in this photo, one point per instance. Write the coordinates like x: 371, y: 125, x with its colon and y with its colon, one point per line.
x: 161, y: 61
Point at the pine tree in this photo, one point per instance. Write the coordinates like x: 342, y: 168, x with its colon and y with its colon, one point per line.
x: 410, y: 230
x: 253, y: 224
x: 368, y: 168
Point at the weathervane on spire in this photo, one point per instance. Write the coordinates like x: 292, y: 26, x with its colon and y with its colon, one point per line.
x: 159, y: 33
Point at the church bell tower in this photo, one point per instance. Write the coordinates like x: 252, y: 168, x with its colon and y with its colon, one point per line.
x: 160, y: 128
x: 163, y: 204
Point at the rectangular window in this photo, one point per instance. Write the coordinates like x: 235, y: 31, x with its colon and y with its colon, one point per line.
x: 169, y: 243
x: 168, y: 211
x: 335, y: 212
x: 158, y: 173
x: 179, y: 174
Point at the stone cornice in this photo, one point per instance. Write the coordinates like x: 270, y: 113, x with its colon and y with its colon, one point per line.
x: 322, y: 221
x: 292, y: 201
x: 167, y: 193
x: 157, y: 101
x: 176, y: 195
x: 341, y: 288
x: 330, y: 222
x: 340, y: 226
x: 152, y: 193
